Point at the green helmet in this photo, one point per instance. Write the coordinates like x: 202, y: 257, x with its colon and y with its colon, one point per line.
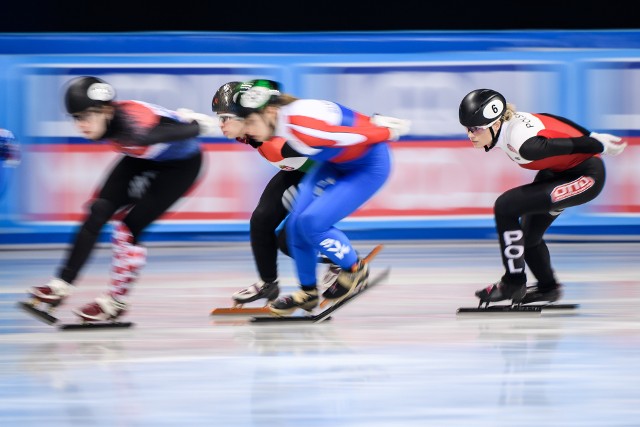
x: 253, y: 96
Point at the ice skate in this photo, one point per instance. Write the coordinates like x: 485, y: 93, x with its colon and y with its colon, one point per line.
x: 45, y: 299
x: 53, y: 293
x: 329, y: 277
x: 257, y: 291
x: 325, y: 314
x: 104, y: 309
x: 520, y: 297
x: 126, y: 262
x: 306, y: 300
x: 501, y: 291
x: 537, y: 294
x: 346, y: 282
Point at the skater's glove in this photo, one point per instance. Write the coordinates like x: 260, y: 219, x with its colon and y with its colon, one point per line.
x: 398, y: 127
x: 611, y: 144
x: 208, y: 125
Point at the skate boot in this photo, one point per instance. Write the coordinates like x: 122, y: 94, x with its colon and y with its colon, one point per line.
x: 259, y: 290
x: 536, y: 293
x: 329, y: 277
x: 347, y: 282
x: 104, y: 308
x: 53, y: 293
x: 304, y: 299
x: 501, y: 291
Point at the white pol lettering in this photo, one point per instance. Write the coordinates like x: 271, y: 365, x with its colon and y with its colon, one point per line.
x: 512, y: 251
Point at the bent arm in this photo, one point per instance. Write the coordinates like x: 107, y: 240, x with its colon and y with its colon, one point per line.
x: 540, y: 147
x: 169, y: 129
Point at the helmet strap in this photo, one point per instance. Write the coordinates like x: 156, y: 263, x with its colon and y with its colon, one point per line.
x: 494, y: 138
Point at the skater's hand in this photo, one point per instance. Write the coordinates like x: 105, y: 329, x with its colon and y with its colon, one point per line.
x: 208, y: 125
x: 611, y: 144
x: 398, y: 127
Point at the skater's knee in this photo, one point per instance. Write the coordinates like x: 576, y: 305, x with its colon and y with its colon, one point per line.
x: 100, y: 212
x: 262, y: 219
x: 309, y: 225
x: 531, y: 243
x: 503, y: 206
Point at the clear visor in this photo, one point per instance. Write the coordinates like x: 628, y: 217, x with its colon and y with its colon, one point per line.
x: 226, y: 117
x: 478, y: 129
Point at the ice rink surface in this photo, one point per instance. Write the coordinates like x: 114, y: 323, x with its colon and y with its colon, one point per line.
x: 397, y: 356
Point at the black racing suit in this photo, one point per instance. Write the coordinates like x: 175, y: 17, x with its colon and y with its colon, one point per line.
x: 161, y: 161
x: 571, y: 173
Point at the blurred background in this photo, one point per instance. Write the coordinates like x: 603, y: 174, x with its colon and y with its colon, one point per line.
x: 402, y: 357
x: 440, y: 187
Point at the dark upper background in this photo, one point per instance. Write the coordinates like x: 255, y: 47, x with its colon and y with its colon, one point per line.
x: 305, y: 16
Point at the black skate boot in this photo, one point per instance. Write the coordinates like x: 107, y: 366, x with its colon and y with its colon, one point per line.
x: 259, y: 290
x: 501, y: 291
x: 347, y: 282
x: 304, y: 299
x: 537, y: 293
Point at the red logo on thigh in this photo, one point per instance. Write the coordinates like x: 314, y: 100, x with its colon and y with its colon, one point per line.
x: 572, y: 188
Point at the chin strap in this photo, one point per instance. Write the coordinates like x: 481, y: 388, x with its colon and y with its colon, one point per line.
x: 494, y: 139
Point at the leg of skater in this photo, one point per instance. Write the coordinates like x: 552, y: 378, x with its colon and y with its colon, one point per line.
x: 265, y: 219
x: 328, y: 194
x: 170, y: 181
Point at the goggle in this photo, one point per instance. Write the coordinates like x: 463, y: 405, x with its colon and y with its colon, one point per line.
x: 477, y: 129
x: 226, y: 117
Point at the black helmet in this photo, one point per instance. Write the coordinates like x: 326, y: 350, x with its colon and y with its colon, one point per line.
x: 86, y: 92
x: 222, y: 101
x: 253, y: 96
x: 481, y: 107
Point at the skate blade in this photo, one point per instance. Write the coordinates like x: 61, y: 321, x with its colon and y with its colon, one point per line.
x: 366, y: 260
x: 534, y: 309
x: 371, y: 255
x: 286, y: 319
x: 241, y: 311
x: 96, y: 325
x: 325, y: 315
x: 326, y: 302
x: 37, y: 313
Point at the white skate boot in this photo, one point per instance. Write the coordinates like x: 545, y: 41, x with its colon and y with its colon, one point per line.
x: 53, y: 293
x: 45, y: 299
x: 104, y: 308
